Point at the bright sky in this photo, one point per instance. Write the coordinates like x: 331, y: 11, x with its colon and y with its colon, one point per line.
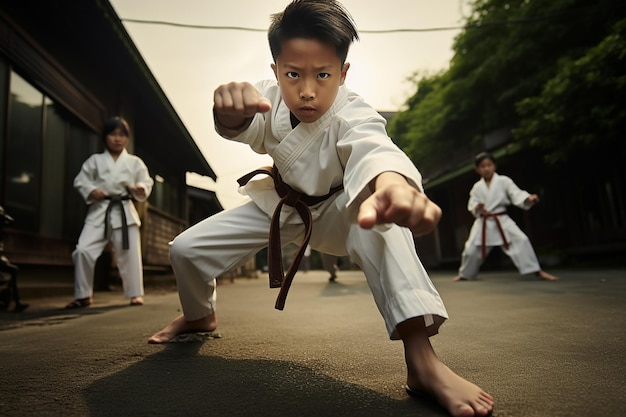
x: 189, y: 63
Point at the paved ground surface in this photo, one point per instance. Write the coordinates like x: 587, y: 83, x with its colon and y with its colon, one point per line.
x: 542, y: 349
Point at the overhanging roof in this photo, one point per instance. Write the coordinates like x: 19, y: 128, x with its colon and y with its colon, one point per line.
x: 199, y: 163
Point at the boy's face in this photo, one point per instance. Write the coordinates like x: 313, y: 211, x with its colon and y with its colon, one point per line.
x: 309, y: 74
x: 486, y: 168
x: 116, y: 141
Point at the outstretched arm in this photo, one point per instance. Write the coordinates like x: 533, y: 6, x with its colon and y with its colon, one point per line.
x: 394, y: 200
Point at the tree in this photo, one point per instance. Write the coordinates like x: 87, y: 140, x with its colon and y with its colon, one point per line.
x: 582, y: 105
x: 425, y: 119
x: 510, y: 60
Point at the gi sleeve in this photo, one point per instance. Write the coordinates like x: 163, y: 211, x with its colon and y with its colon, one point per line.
x: 367, y: 151
x: 474, y: 199
x: 516, y: 195
x: 85, y: 181
x: 142, y: 179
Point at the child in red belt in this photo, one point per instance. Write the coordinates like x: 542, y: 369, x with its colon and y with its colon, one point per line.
x: 489, y: 199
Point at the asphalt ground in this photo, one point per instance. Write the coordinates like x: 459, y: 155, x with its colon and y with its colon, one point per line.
x: 542, y: 349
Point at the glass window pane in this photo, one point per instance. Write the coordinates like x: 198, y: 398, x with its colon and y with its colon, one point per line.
x: 80, y: 145
x: 24, y: 154
x: 165, y: 195
x: 4, y: 68
x: 53, y: 171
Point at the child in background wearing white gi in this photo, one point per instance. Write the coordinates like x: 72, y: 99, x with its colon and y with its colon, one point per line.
x: 107, y: 182
x: 338, y: 183
x: 488, y: 201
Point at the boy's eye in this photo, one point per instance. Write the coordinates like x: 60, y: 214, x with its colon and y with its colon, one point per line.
x: 292, y: 74
x: 323, y: 75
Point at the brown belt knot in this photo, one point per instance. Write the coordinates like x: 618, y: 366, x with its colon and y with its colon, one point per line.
x: 485, y: 216
x: 301, y: 203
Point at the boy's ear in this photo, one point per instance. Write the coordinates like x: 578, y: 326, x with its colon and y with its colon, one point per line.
x: 274, y: 69
x: 344, y: 72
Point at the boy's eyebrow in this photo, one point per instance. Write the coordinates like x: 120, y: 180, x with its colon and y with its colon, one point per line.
x: 296, y: 67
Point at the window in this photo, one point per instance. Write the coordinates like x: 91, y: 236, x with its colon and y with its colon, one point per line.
x: 4, y: 69
x: 80, y: 143
x: 165, y: 195
x: 53, y: 168
x: 67, y: 143
x: 46, y: 146
x: 23, y: 155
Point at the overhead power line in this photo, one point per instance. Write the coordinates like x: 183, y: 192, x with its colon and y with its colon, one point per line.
x: 478, y: 25
x: 249, y: 29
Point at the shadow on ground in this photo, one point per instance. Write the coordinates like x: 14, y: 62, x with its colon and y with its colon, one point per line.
x: 45, y: 317
x: 178, y: 381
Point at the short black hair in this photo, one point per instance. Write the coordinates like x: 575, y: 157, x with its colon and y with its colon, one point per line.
x: 482, y: 156
x: 115, y: 123
x: 324, y: 20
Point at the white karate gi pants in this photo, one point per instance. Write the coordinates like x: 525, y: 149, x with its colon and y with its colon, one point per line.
x: 90, y: 245
x: 520, y: 251
x: 400, y: 285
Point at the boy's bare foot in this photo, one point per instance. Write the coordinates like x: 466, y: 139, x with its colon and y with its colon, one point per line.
x: 545, y: 276
x: 179, y: 326
x: 458, y: 396
x: 459, y: 278
x: 426, y: 373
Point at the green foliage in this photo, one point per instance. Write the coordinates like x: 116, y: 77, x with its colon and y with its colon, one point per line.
x: 582, y: 105
x: 424, y: 119
x: 552, y: 71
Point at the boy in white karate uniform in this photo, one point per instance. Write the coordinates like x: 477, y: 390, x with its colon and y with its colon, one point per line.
x: 338, y: 183
x: 107, y: 182
x: 489, y: 199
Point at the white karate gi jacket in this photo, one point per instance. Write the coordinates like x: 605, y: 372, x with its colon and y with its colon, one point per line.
x: 348, y: 145
x: 112, y: 177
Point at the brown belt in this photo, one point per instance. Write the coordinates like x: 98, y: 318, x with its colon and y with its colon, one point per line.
x: 301, y: 203
x: 116, y: 200
x: 485, y: 216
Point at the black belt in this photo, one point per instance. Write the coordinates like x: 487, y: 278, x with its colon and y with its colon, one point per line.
x: 116, y: 200
x: 301, y: 203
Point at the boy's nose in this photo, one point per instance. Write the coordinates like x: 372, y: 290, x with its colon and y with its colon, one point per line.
x: 307, y: 95
x: 307, y: 92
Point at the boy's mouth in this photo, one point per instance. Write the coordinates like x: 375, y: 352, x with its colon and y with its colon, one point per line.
x: 307, y: 110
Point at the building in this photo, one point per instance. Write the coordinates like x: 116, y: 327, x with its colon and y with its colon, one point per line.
x: 65, y: 67
x: 580, y: 220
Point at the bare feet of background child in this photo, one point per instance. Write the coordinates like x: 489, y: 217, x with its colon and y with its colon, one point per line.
x: 545, y: 276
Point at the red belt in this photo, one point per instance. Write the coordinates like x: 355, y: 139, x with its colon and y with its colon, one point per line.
x: 301, y: 203
x: 485, y: 216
